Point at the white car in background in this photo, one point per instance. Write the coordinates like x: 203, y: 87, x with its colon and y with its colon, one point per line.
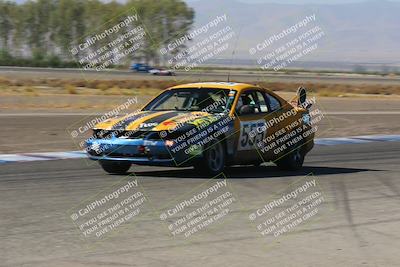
x: 162, y: 72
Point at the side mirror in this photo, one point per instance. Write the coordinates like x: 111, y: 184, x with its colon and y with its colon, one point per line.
x: 302, y: 95
x: 302, y: 98
x: 246, y: 109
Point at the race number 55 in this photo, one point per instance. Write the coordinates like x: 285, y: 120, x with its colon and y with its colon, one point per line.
x: 251, y: 132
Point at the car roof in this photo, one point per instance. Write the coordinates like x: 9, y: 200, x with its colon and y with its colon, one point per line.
x: 221, y: 85
x: 226, y: 85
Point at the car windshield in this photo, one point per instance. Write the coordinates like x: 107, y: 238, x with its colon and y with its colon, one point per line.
x: 194, y: 99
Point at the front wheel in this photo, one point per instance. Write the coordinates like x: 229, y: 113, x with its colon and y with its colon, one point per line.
x: 115, y: 167
x: 292, y: 161
x: 213, y: 162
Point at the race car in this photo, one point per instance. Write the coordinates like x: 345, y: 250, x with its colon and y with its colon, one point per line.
x: 140, y: 67
x: 207, y: 125
x: 162, y: 72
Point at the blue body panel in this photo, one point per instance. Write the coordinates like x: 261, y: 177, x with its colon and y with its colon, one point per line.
x: 140, y: 67
x: 121, y: 149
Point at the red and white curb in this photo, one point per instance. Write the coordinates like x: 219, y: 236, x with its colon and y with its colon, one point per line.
x: 26, y: 157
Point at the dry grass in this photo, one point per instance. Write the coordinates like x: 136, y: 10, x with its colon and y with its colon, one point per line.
x: 4, y: 81
x: 93, y: 84
x: 136, y: 87
x: 30, y: 91
x: 103, y: 86
x: 70, y: 89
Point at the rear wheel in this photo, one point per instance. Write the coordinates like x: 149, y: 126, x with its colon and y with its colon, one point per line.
x: 213, y: 162
x: 292, y: 161
x: 115, y: 167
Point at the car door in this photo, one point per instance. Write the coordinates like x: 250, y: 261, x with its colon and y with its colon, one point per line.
x: 250, y: 125
x: 278, y: 121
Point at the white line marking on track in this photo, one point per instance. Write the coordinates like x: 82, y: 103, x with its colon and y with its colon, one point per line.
x: 24, y: 157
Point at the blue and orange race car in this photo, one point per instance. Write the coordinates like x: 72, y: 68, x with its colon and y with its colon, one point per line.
x: 207, y: 125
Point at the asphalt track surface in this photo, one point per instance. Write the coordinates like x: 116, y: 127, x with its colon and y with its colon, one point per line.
x: 242, y: 76
x: 358, y: 225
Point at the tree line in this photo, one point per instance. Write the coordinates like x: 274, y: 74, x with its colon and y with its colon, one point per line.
x: 41, y: 32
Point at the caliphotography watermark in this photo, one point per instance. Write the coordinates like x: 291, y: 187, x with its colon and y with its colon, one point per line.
x: 279, y: 130
x: 105, y: 213
x: 112, y: 44
x: 201, y: 210
x: 105, y: 125
x: 301, y: 203
x: 201, y: 45
x: 189, y: 135
x: 289, y: 130
x: 292, y: 44
x: 203, y: 133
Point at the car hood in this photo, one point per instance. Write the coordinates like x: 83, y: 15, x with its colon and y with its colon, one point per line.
x: 157, y: 121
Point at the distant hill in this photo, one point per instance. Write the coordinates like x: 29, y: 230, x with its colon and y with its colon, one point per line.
x: 357, y: 32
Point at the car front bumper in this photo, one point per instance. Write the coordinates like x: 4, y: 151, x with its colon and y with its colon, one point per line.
x: 137, y: 151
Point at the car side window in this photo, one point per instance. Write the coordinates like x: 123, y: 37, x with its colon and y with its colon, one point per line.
x: 273, y: 102
x: 261, y: 103
x: 246, y: 98
x: 254, y: 98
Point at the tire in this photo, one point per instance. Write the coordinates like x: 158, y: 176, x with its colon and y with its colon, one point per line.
x: 213, y: 162
x: 115, y: 167
x: 292, y: 161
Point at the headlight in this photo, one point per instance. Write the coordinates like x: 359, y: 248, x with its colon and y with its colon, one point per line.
x: 169, y: 143
x: 307, y: 119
